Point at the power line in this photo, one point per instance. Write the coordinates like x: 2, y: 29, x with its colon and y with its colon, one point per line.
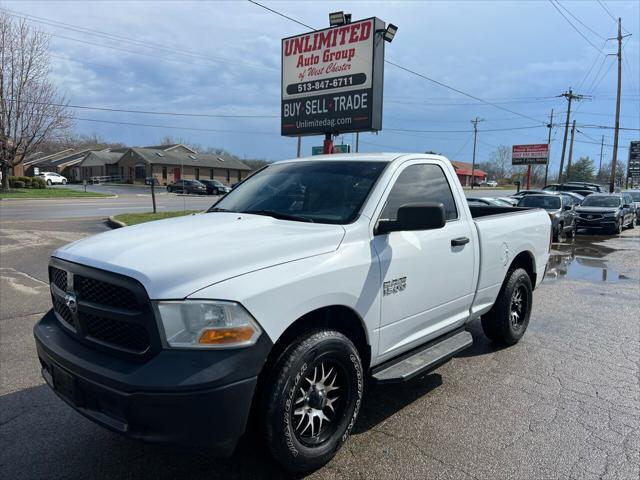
x: 282, y: 15
x: 607, y: 11
x: 465, y: 131
x: 145, y: 112
x: 172, y: 127
x: 580, y: 21
x: 127, y: 40
x: 573, y: 26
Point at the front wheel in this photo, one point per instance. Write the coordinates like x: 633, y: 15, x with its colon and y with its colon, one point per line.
x: 49, y: 182
x: 620, y: 226
x: 508, y: 319
x: 633, y: 222
x: 313, y: 400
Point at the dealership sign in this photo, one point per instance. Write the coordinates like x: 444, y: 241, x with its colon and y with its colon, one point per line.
x: 332, y: 80
x: 535, y: 154
x: 634, y: 159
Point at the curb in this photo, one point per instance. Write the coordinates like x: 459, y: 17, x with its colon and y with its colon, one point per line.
x: 113, y: 223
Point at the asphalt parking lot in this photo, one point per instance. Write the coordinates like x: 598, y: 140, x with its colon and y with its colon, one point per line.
x: 562, y: 404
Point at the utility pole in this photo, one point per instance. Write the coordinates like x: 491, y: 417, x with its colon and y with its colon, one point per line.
x: 573, y: 134
x: 546, y: 167
x: 570, y: 96
x: 299, y: 146
x: 357, y: 142
x: 614, y: 160
x: 600, y: 166
x: 475, y: 135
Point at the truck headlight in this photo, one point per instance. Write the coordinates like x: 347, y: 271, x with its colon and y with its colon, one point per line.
x: 609, y: 214
x: 207, y: 324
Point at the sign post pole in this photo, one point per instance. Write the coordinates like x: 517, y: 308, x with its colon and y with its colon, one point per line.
x: 328, y: 144
x: 528, y: 177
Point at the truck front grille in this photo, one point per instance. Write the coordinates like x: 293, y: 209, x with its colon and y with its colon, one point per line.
x: 131, y: 336
x: 104, y: 309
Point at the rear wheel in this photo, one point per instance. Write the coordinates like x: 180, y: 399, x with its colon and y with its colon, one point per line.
x: 64, y: 182
x: 508, y: 319
x: 313, y: 400
x: 633, y: 222
x: 620, y: 226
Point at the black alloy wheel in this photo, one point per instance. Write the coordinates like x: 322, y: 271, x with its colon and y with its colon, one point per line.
x: 312, y: 399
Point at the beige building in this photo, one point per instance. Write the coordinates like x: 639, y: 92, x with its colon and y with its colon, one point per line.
x: 169, y: 163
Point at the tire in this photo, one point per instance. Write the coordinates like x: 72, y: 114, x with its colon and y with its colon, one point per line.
x: 49, y: 182
x: 573, y: 231
x: 302, y: 380
x: 633, y: 223
x: 169, y: 189
x: 508, y: 319
x: 64, y: 182
x: 558, y: 235
x: 620, y: 226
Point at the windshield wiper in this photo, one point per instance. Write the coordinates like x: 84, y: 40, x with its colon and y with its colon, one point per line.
x: 279, y: 215
x: 218, y: 209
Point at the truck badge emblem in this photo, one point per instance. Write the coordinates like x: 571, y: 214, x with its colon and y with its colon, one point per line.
x: 70, y: 302
x: 394, y: 286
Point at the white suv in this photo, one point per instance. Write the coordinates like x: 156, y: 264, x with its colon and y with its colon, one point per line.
x: 52, y: 177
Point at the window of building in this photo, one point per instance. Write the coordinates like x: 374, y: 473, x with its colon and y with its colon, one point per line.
x: 419, y: 184
x: 197, y: 174
x: 164, y: 173
x: 211, y: 173
x: 140, y: 171
x: 228, y: 176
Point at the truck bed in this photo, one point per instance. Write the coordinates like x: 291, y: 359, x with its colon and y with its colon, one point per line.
x: 478, y: 211
x: 503, y: 232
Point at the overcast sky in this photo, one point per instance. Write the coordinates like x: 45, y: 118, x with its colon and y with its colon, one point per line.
x: 224, y: 58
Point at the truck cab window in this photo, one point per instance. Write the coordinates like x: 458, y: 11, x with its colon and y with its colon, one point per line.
x: 419, y: 184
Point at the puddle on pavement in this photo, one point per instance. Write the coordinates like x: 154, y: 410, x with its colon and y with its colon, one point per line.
x: 581, y: 260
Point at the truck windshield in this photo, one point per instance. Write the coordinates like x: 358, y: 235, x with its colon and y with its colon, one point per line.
x: 548, y: 202
x: 601, y: 201
x: 312, y: 191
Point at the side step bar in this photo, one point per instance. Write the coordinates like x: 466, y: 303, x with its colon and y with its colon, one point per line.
x: 422, y: 359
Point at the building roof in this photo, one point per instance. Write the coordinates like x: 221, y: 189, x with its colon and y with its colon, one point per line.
x: 98, y: 159
x: 203, y: 160
x: 169, y: 147
x: 464, y: 168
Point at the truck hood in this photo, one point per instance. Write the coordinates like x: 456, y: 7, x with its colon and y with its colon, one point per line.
x: 174, y: 258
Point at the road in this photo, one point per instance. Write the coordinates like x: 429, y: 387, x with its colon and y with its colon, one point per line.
x: 563, y: 403
x: 99, y: 207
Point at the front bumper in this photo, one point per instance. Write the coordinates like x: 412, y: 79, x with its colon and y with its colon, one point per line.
x: 192, y: 398
x: 599, y: 223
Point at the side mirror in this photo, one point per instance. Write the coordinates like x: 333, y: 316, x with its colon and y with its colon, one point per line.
x: 414, y: 216
x: 567, y: 207
x: 626, y: 205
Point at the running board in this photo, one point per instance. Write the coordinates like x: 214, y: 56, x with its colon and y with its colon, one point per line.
x: 423, y: 359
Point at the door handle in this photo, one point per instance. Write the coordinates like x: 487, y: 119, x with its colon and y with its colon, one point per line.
x: 458, y: 242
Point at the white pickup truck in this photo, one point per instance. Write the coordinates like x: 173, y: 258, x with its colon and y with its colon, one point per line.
x: 274, y: 305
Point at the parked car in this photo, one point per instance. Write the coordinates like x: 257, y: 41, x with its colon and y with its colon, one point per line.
x: 187, y: 186
x: 560, y: 209
x: 215, y: 187
x: 281, y: 302
x: 490, y: 183
x: 583, y: 189
x: 635, y: 195
x: 628, y: 200
x: 508, y: 200
x: 151, y: 180
x: 52, y: 178
x: 605, y: 211
x: 522, y: 193
x: 575, y: 198
x: 487, y: 201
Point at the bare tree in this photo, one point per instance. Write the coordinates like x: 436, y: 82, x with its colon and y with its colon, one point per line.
x: 501, y: 160
x: 31, y: 108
